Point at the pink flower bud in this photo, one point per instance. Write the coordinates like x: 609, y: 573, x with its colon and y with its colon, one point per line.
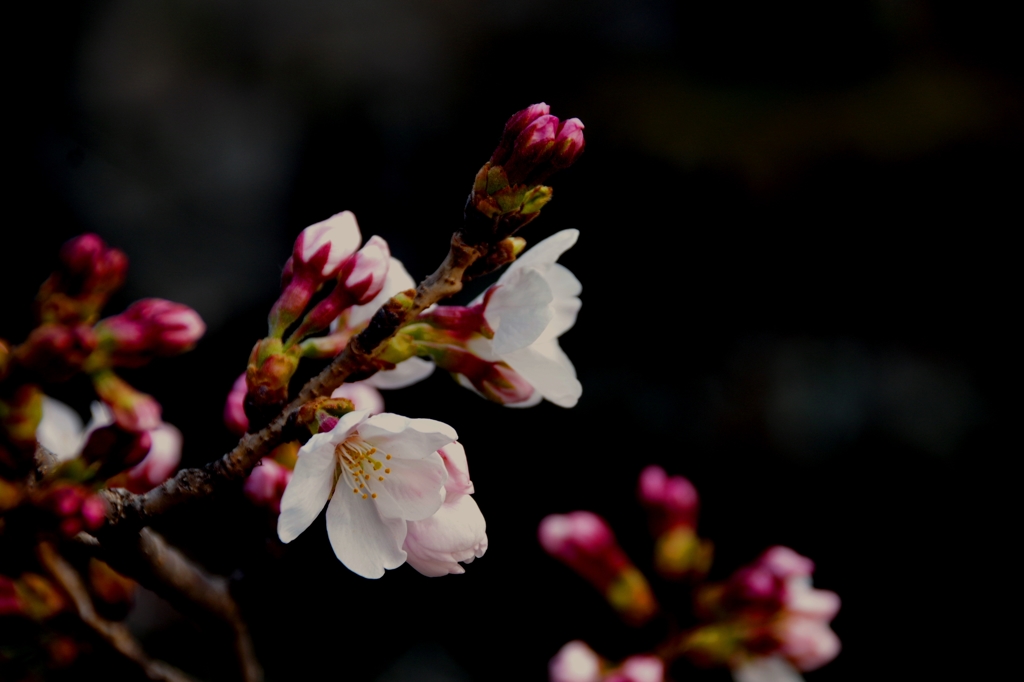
x: 569, y: 144
x: 808, y: 643
x: 151, y: 326
x: 234, y: 408
x: 161, y: 461
x: 266, y: 484
x: 493, y: 380
x: 785, y: 563
x: 585, y: 543
x: 66, y: 500
x: 639, y: 669
x: 132, y: 409
x: 802, y: 599
x: 364, y: 273
x: 94, y: 512
x: 55, y: 351
x: 91, y: 267
x: 575, y: 662
x: 363, y: 396
x: 671, y: 501
x: 515, y: 125
x: 533, y: 147
x: 10, y: 603
x: 460, y: 322
x: 116, y: 447
x: 321, y: 248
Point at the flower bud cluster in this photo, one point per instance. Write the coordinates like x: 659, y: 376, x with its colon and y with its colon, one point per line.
x: 30, y: 595
x: 150, y: 327
x: 89, y: 272
x: 507, y: 191
x: 671, y: 503
x: 584, y: 542
x: 74, y: 508
x: 323, y: 254
x: 770, y: 609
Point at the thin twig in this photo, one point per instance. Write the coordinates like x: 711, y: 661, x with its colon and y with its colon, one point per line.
x: 131, y: 512
x: 115, y: 634
x: 188, y: 587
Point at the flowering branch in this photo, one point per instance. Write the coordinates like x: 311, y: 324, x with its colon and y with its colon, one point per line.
x: 115, y: 634
x: 360, y: 358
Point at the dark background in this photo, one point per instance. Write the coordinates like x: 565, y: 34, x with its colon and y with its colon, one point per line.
x: 794, y: 222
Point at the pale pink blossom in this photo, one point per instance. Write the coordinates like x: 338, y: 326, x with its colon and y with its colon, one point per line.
x: 808, y: 643
x: 457, y: 531
x: 639, y: 669
x: 364, y: 273
x: 160, y: 462
x: 267, y: 483
x: 575, y: 662
x: 323, y: 246
x: 766, y: 669
x: 387, y: 472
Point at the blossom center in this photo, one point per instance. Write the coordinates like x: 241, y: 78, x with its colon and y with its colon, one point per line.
x: 361, y: 465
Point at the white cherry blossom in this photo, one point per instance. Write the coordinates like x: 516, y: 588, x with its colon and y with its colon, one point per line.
x: 378, y: 473
x: 533, y: 303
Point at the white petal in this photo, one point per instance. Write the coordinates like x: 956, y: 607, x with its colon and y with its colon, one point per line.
x: 397, y: 280
x: 348, y: 423
x: 60, y: 430
x: 414, y: 490
x: 363, y: 396
x: 457, y: 532
x: 406, y: 438
x: 549, y: 371
x: 773, y: 669
x: 566, y: 305
x: 544, y: 253
x: 519, y: 310
x: 361, y: 539
x: 100, y: 415
x: 308, y: 488
x: 407, y: 373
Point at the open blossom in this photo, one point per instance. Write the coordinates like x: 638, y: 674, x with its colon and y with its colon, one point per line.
x: 375, y: 474
x: 535, y: 301
x: 457, y: 532
x: 577, y: 662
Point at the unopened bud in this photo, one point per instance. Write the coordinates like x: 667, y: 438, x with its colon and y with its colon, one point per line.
x: 265, y: 485
x: 150, y: 327
x: 57, y: 352
x: 75, y: 508
x: 569, y: 144
x: 533, y: 147
x: 515, y: 125
x: 116, y: 447
x: 495, y: 381
x: 575, y: 662
x: 132, y: 409
x: 234, y: 408
x: 270, y: 369
x: 360, y: 279
x: 585, y: 543
x: 321, y: 248
x: 90, y: 271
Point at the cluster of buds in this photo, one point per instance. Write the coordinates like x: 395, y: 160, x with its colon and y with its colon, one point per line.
x: 577, y: 662
x: 88, y: 274
x: 74, y: 508
x: 671, y: 502
x: 767, y: 609
x: 507, y: 192
x: 323, y: 254
x: 584, y: 542
x: 30, y: 595
x: 764, y: 622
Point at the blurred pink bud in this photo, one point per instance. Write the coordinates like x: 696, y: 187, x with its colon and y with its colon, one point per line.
x: 569, y: 143
x: 92, y: 266
x: 10, y: 603
x: 151, y: 326
x: 363, y: 397
x: 575, y: 662
x: 116, y: 447
x: 234, y: 408
x: 575, y: 536
x: 132, y: 409
x: 671, y: 500
x: 785, y: 563
x: 802, y: 599
x: 639, y: 669
x: 321, y: 248
x: 266, y: 484
x: 66, y: 500
x: 56, y: 351
x: 161, y: 461
x: 515, y: 125
x: 94, y: 512
x: 364, y: 273
x: 808, y: 643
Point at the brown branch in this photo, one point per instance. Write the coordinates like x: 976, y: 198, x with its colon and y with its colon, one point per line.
x: 115, y: 634
x: 131, y: 512
x: 162, y: 568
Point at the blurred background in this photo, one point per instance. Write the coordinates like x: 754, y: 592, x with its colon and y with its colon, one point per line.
x: 794, y: 220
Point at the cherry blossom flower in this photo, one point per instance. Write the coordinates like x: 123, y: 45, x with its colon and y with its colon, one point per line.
x: 535, y: 301
x: 575, y: 662
x: 378, y: 473
x: 457, y: 532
